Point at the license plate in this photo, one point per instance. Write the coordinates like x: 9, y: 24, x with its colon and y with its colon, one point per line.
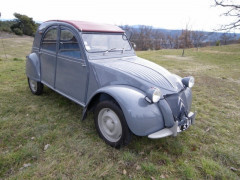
x: 185, y: 125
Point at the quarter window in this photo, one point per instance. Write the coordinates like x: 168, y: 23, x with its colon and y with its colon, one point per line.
x: 68, y: 44
x: 50, y: 40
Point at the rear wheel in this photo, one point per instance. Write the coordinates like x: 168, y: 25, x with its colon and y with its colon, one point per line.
x: 35, y: 86
x: 111, y: 124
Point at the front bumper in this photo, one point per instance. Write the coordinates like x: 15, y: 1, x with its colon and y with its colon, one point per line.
x: 178, y: 127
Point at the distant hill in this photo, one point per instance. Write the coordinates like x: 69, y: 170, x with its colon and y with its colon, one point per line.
x: 210, y: 36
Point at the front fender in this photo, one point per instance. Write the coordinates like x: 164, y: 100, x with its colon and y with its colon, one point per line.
x: 33, y: 67
x: 142, y: 117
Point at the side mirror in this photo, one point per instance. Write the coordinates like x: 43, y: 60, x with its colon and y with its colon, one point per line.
x: 133, y: 45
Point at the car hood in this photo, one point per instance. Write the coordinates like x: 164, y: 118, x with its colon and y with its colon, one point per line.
x: 137, y: 72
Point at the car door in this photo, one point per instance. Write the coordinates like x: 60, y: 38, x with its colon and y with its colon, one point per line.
x: 71, y: 71
x: 48, y: 56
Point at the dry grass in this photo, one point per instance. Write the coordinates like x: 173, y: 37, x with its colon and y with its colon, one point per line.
x: 208, y: 150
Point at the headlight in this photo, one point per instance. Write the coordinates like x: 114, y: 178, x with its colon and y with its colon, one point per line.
x: 188, y: 81
x: 153, y: 95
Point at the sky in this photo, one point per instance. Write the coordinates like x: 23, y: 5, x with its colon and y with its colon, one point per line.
x: 167, y: 14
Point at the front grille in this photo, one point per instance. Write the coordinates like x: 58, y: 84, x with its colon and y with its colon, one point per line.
x: 178, y: 104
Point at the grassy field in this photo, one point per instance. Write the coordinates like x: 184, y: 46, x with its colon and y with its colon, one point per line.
x: 208, y: 150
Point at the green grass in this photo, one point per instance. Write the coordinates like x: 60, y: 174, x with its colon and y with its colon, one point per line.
x: 207, y: 150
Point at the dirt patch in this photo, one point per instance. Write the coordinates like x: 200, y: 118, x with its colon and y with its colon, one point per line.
x: 2, y: 56
x: 200, y: 68
x: 237, y: 81
x: 218, y: 52
x: 6, y: 35
x: 184, y: 58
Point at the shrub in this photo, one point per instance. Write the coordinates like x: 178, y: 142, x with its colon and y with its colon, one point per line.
x: 218, y: 43
x: 25, y: 24
x: 18, y: 31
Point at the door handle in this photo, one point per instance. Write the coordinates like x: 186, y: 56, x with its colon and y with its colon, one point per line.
x: 84, y: 65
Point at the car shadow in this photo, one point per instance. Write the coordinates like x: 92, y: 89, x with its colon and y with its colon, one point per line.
x: 170, y: 145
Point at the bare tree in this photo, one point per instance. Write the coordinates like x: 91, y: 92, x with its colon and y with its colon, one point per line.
x: 185, y: 39
x: 232, y: 10
x: 145, y: 37
x: 197, y: 38
x: 156, y: 40
x: 164, y: 40
x: 176, y: 41
x: 170, y: 40
x: 226, y: 38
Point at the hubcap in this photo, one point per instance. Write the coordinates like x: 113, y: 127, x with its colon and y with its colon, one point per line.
x: 33, y: 85
x: 109, y: 125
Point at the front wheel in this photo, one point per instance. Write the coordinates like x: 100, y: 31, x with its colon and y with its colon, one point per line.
x: 111, y: 124
x: 35, y: 86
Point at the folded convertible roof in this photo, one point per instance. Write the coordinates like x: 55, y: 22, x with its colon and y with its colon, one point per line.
x: 86, y: 26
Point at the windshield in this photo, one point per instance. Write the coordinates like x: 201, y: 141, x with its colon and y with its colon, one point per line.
x: 105, y: 42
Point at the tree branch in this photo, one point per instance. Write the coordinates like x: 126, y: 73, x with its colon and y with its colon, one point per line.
x: 221, y: 3
x: 233, y: 10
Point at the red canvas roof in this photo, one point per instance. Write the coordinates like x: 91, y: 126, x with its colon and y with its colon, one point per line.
x: 93, y: 27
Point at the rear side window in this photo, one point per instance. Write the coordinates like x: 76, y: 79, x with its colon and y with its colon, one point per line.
x: 69, y: 45
x: 50, y: 40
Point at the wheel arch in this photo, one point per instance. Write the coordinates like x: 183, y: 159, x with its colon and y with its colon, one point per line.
x: 98, y: 97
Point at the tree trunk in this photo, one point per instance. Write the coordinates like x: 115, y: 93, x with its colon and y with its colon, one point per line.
x: 183, y: 52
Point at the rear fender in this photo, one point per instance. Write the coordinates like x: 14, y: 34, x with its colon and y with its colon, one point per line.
x: 33, y: 67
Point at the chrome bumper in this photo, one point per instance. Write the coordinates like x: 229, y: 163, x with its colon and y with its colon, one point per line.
x: 177, y: 128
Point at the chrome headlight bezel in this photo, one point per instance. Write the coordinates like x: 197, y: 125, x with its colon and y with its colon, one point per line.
x: 153, y: 95
x: 188, y: 81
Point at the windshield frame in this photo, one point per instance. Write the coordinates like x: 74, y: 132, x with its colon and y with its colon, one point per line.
x: 107, y: 33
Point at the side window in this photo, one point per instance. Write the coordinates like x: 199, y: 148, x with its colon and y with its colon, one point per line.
x: 50, y: 40
x: 69, y: 45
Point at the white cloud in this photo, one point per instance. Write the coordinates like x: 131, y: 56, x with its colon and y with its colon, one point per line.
x: 171, y: 14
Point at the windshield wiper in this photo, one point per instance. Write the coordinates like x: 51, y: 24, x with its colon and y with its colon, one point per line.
x: 107, y: 51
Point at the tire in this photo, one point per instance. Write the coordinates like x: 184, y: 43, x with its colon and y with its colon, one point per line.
x: 111, y: 124
x: 35, y: 87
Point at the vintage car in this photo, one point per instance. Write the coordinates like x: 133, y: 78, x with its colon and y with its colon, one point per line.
x: 95, y: 66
